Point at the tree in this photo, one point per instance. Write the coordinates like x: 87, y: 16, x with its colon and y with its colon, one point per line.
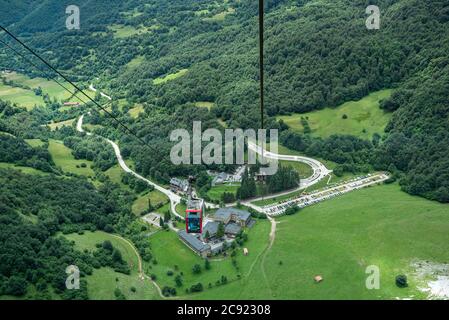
x: 207, y: 264
x: 167, y: 216
x: 221, y: 230
x: 119, y: 294
x: 117, y: 256
x: 178, y: 280
x: 107, y: 245
x: 401, y: 281
x: 196, y: 269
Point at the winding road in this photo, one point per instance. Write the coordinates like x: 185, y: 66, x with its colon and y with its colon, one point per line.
x: 319, y: 170
x: 174, y: 198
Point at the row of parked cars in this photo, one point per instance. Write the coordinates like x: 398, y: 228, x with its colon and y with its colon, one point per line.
x: 305, y: 199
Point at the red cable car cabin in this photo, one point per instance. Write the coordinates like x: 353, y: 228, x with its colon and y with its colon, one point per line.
x: 194, y: 216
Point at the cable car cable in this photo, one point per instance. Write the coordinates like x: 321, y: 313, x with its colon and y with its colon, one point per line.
x: 74, y: 85
x: 261, y: 60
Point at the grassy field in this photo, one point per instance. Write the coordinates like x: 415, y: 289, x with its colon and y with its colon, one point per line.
x: 172, y: 254
x: 27, y: 170
x: 62, y: 156
x: 21, y: 97
x: 181, y: 209
x: 215, y: 192
x: 303, y: 169
x: 102, y: 283
x: 204, y: 104
x: 35, y: 142
x: 338, y: 239
x: 134, y: 112
x: 59, y: 125
x: 170, y: 77
x: 364, y: 118
x: 27, y: 97
x: 141, y: 204
x: 122, y: 31
x: 220, y: 16
x: 134, y: 63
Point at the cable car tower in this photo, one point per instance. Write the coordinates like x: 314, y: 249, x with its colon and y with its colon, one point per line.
x: 194, y: 211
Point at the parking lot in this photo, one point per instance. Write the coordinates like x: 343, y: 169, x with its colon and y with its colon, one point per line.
x: 308, y: 199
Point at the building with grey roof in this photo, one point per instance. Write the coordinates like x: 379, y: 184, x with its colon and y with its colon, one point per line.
x: 179, y: 185
x: 200, y: 248
x: 232, y: 229
x: 211, y: 227
x: 238, y: 216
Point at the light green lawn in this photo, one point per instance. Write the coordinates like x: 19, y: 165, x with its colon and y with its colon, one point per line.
x: 62, y: 156
x: 122, y: 31
x: 134, y: 112
x: 204, y: 104
x: 169, y: 252
x: 27, y: 98
x: 115, y: 173
x: 181, y: 209
x: 59, y: 125
x: 170, y: 77
x: 35, y: 142
x: 102, y: 283
x: 134, y: 63
x: 141, y: 204
x: 338, y: 239
x: 27, y: 170
x: 215, y: 192
x: 21, y: 97
x: 362, y: 115
x: 303, y: 169
x: 220, y: 16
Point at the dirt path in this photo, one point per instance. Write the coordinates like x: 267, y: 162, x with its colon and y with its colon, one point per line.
x: 265, y: 253
x: 142, y: 274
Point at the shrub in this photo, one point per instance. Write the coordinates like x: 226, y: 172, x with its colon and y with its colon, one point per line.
x: 401, y: 281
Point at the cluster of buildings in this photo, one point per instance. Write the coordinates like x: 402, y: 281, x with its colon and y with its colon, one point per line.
x: 179, y: 185
x: 223, y: 177
x: 233, y: 221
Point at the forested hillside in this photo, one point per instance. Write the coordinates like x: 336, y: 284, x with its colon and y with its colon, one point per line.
x: 318, y: 54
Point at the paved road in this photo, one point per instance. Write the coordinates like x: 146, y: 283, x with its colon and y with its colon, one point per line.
x: 319, y: 172
x: 92, y: 88
x: 174, y: 198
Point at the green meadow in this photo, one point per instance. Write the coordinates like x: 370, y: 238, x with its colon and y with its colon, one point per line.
x: 170, y: 77
x: 216, y: 192
x: 338, y: 239
x: 134, y: 112
x: 27, y: 170
x: 364, y: 118
x: 63, y: 158
x: 34, y: 142
x: 21, y: 97
x: 204, y: 104
x: 141, y: 204
x: 103, y: 282
x: 122, y: 31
